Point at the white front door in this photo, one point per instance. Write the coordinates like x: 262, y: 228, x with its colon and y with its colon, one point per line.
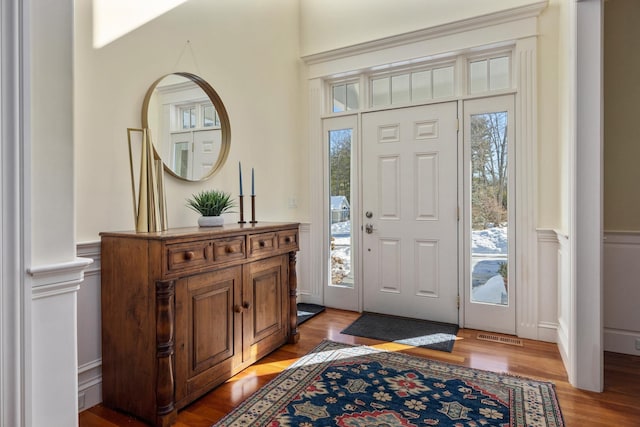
x: 410, y: 207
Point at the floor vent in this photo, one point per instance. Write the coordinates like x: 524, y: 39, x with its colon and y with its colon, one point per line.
x: 500, y: 339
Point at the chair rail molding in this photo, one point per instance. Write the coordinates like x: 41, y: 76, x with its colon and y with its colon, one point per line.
x: 60, y: 278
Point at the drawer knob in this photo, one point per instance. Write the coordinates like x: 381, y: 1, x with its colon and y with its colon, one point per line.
x: 229, y: 249
x: 287, y: 239
x: 237, y: 308
x: 246, y: 305
x: 189, y: 255
x: 261, y: 243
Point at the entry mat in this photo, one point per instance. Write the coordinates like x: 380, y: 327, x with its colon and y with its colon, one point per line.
x: 404, y: 330
x: 307, y: 311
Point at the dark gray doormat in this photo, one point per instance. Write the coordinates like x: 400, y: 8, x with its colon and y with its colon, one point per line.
x: 403, y: 330
x: 307, y: 311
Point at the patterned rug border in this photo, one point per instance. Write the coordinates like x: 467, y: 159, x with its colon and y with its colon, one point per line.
x: 269, y: 399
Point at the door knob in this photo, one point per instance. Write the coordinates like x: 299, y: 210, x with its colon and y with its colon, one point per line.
x: 368, y: 228
x: 369, y: 214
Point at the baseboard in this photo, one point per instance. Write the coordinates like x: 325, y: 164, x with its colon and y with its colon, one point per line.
x: 89, y: 384
x: 563, y: 348
x: 618, y: 341
x: 548, y: 332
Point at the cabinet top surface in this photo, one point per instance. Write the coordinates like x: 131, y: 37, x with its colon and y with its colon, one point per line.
x: 226, y: 229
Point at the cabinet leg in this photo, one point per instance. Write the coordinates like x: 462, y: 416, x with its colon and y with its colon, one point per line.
x: 165, y: 321
x: 294, y: 336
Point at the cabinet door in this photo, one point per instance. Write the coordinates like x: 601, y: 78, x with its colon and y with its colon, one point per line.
x: 211, y: 316
x: 265, y: 302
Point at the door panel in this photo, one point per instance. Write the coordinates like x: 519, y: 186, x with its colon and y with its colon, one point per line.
x: 410, y: 244
x: 264, y: 304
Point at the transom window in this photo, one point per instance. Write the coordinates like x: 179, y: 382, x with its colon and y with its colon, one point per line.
x: 346, y: 97
x: 412, y: 87
x: 489, y: 74
x: 397, y: 86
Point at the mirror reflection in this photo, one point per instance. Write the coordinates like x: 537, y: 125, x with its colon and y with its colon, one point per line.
x: 188, y: 125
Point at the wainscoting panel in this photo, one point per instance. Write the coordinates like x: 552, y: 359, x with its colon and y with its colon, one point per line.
x: 547, y: 322
x: 309, y: 290
x: 621, y: 292
x: 89, y: 330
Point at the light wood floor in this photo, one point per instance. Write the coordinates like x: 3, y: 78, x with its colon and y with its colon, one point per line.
x: 618, y: 406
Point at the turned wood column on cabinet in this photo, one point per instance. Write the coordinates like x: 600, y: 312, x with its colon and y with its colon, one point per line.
x: 185, y: 309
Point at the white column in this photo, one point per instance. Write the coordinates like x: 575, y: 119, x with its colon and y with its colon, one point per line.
x: 586, y: 216
x: 14, y: 149
x: 525, y: 72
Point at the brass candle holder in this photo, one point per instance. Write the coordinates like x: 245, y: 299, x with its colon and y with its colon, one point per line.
x: 242, y: 221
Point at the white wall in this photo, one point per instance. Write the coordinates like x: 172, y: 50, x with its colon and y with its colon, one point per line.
x: 247, y: 50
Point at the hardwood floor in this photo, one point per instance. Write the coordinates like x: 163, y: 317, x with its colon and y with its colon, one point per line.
x: 616, y: 406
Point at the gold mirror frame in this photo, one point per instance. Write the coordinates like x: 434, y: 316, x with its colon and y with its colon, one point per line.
x: 219, y: 107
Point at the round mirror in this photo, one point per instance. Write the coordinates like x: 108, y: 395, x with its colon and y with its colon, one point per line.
x: 188, y: 125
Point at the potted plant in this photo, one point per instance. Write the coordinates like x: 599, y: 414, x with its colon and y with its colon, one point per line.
x: 211, y: 204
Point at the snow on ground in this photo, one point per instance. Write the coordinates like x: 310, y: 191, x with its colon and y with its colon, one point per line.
x: 489, y: 241
x: 492, y: 292
x: 340, y: 252
x: 489, y: 252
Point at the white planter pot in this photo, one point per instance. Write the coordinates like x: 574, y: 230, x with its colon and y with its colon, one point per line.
x: 210, y: 221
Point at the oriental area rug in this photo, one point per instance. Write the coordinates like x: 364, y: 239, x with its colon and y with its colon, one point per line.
x: 357, y: 386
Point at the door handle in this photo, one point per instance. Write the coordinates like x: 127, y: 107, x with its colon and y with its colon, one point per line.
x: 368, y: 228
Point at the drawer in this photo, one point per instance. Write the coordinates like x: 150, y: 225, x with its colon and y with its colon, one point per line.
x: 228, y: 249
x: 288, y: 239
x: 183, y: 256
x: 261, y: 244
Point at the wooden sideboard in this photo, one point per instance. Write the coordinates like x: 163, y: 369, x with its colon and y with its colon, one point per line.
x: 186, y: 309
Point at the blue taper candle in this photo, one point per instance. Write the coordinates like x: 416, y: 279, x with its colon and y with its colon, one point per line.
x: 253, y: 184
x: 240, y: 170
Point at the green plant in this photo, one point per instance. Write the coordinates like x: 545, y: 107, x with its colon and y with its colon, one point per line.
x: 211, y: 202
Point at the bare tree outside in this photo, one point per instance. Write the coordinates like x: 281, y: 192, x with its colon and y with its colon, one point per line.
x: 489, y: 169
x: 489, y: 207
x: 340, y: 163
